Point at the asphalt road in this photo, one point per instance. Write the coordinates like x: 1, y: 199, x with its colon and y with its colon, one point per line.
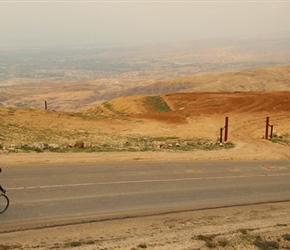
x: 62, y: 194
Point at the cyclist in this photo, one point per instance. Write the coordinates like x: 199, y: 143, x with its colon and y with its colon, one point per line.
x: 2, y: 189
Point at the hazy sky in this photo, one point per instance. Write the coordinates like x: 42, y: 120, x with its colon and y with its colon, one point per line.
x: 96, y: 22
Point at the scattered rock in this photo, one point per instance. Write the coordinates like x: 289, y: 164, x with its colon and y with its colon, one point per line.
x: 157, y: 144
x: 40, y: 145
x: 53, y: 146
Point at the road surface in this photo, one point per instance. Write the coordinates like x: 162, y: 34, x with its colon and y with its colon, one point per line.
x: 49, y: 195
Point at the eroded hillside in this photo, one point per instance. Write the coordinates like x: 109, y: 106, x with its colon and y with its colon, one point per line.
x: 177, y: 107
x: 177, y: 121
x: 78, y: 95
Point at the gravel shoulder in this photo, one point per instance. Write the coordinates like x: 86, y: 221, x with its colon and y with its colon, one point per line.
x: 245, y: 227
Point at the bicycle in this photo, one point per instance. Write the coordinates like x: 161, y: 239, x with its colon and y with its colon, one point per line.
x: 4, y: 202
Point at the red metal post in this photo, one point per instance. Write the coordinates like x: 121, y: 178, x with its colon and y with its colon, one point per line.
x: 226, y: 128
x: 267, y: 127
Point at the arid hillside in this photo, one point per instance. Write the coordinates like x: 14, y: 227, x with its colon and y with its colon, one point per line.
x: 78, y: 95
x: 187, y: 122
x: 178, y: 107
x: 184, y: 118
x: 259, y: 79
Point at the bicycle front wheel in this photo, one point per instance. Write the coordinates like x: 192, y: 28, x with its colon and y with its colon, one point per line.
x: 4, y: 203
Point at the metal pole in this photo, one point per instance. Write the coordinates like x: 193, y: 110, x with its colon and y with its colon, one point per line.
x: 271, y: 134
x: 221, y: 135
x: 267, y: 127
x: 45, y: 105
x: 226, y: 128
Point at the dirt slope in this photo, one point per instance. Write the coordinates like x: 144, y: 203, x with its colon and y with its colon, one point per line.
x: 78, y: 95
x: 187, y: 115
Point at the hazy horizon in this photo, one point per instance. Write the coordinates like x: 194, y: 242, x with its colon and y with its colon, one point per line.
x: 52, y: 23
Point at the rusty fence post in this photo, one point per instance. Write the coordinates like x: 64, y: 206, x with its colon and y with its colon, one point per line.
x: 45, y: 105
x: 271, y: 133
x: 226, y: 129
x: 267, y: 127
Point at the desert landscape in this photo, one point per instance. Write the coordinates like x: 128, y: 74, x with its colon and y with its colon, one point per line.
x: 129, y: 125
x: 183, y: 121
x: 173, y: 126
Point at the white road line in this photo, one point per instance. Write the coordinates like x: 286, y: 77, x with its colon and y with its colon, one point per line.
x: 148, y: 181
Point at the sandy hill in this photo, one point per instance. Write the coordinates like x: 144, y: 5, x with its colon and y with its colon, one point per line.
x: 123, y: 123
x: 78, y: 95
x: 177, y: 107
x: 259, y: 79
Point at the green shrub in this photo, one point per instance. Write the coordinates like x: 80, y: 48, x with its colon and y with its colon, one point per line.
x: 223, y: 242
x: 9, y: 247
x: 142, y: 245
x: 266, y: 245
x: 286, y: 237
x: 208, y: 239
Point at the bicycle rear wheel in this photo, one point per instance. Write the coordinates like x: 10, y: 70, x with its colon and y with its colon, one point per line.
x: 4, y: 203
